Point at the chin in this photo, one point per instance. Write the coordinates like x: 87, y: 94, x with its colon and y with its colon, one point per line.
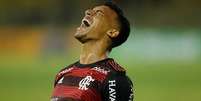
x: 81, y: 37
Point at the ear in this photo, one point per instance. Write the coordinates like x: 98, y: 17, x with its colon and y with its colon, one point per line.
x: 112, y: 33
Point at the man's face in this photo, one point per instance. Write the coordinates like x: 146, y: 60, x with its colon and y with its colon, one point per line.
x: 96, y: 23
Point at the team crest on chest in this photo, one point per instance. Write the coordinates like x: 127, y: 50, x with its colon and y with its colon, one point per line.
x: 85, y: 83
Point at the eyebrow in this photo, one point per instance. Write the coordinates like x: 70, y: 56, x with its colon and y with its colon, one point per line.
x: 100, y: 11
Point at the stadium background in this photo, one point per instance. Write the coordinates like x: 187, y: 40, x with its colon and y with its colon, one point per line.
x: 162, y: 54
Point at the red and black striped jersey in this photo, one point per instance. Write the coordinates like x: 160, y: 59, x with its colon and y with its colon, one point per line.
x: 101, y: 81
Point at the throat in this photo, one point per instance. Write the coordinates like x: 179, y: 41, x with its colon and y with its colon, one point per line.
x: 91, y: 53
x: 91, y: 58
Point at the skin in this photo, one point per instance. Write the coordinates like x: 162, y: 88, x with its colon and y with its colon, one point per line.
x: 96, y: 39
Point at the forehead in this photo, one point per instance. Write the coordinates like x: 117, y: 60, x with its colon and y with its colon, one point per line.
x: 105, y: 9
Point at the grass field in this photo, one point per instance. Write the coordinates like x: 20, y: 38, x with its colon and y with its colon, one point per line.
x: 31, y: 79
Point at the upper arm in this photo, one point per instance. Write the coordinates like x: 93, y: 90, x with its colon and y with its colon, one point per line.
x: 118, y: 88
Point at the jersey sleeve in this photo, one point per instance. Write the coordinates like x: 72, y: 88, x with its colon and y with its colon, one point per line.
x: 118, y: 88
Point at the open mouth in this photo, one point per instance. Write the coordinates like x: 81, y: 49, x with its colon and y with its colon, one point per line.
x: 86, y: 22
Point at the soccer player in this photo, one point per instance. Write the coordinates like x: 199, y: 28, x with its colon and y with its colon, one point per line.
x: 96, y: 77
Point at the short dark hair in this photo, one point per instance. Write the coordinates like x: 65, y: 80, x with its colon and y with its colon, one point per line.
x: 124, y: 25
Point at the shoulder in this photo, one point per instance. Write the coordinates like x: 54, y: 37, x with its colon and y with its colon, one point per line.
x: 117, y: 86
x: 114, y: 66
x: 116, y: 71
x: 117, y: 75
x: 63, y: 71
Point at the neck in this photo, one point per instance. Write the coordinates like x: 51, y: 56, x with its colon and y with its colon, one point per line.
x: 92, y: 52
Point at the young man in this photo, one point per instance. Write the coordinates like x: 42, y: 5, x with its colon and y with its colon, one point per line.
x: 95, y: 77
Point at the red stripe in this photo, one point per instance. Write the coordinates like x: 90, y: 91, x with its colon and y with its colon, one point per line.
x: 66, y: 91
x: 98, y: 76
x: 75, y: 93
x: 80, y: 72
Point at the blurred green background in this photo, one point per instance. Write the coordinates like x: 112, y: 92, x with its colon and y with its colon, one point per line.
x: 162, y: 55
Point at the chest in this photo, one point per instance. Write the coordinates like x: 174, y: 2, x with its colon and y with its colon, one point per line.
x: 80, y: 83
